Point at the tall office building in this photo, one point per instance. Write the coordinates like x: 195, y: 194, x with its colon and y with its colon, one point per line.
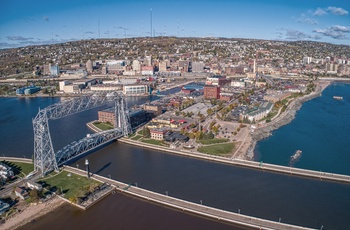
x: 197, y: 67
x: 89, y: 66
x: 307, y: 60
x: 136, y: 65
x: 54, y: 70
x: 163, y: 66
x: 147, y: 61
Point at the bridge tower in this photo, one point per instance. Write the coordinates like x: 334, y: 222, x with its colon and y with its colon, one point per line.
x: 45, y: 158
x: 121, y: 116
x: 44, y: 155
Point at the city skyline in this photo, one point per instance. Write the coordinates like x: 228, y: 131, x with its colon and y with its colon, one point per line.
x: 30, y: 23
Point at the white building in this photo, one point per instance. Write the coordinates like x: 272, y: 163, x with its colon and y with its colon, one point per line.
x: 197, y: 67
x: 259, y: 113
x: 136, y: 65
x: 240, y: 84
x: 106, y: 87
x: 307, y: 60
x: 135, y: 89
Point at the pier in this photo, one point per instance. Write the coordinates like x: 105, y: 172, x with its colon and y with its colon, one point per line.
x: 190, y: 207
x: 333, y: 177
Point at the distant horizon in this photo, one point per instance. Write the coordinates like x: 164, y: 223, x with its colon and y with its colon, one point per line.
x: 38, y: 22
x: 228, y: 38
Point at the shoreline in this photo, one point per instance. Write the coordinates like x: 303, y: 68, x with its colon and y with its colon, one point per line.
x: 31, y: 213
x: 286, y: 117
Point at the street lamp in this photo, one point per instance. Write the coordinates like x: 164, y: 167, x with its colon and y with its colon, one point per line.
x: 201, y: 202
x: 87, y: 167
x: 239, y: 211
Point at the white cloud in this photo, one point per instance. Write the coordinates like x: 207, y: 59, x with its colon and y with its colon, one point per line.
x: 304, y: 19
x: 337, y: 10
x: 299, y: 35
x: 330, y: 9
x: 18, y: 38
x: 319, y: 12
x: 335, y: 32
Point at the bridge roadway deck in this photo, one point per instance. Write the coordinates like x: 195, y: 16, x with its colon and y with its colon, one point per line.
x: 249, y: 164
x: 186, y: 206
x: 17, y: 159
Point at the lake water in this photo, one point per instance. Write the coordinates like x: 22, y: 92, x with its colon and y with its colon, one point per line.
x: 321, y: 129
x: 300, y: 201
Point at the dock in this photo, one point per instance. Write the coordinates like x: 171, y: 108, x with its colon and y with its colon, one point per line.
x: 190, y: 207
x: 319, y: 175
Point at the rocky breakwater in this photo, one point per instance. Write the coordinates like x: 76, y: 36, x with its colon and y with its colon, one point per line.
x: 284, y: 118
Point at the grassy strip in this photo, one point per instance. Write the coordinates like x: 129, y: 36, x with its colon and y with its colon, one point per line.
x: 213, y: 141
x: 72, y: 186
x: 103, y: 126
x: 140, y: 132
x: 153, y: 142
x: 219, y: 149
x: 136, y: 138
x: 19, y: 167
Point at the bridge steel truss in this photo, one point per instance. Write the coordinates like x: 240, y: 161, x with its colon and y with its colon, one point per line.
x: 45, y: 159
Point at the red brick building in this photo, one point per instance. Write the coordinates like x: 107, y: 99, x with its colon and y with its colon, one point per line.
x: 158, y: 134
x: 106, y: 116
x: 211, y: 92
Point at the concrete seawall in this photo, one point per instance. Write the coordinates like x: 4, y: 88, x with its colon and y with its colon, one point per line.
x: 186, y: 206
x: 249, y: 164
x: 17, y: 159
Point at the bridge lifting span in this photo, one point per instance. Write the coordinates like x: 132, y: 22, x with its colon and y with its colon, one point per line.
x: 45, y: 159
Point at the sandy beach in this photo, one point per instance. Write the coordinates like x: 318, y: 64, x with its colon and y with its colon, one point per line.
x: 31, y: 213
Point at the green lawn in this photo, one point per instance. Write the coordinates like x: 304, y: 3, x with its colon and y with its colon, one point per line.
x: 213, y: 141
x: 19, y: 167
x: 72, y: 186
x: 153, y: 142
x: 103, y: 126
x: 136, y: 138
x: 219, y: 149
x: 140, y: 132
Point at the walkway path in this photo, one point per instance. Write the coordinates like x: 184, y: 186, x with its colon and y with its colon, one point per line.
x: 191, y: 207
x: 249, y: 164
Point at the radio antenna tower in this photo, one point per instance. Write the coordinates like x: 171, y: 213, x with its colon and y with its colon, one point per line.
x: 151, y: 22
x: 99, y: 29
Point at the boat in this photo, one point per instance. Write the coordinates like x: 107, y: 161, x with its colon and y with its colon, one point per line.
x: 296, y: 155
x: 338, y: 97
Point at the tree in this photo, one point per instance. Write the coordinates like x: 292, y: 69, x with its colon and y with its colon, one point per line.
x: 191, y: 135
x: 34, y: 195
x: 146, y: 132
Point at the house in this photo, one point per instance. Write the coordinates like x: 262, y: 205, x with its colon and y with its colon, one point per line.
x: 175, y: 136
x: 3, y: 207
x: 22, y: 193
x: 158, y: 134
x: 34, y: 185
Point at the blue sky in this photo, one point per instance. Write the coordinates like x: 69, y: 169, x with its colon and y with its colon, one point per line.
x: 24, y: 22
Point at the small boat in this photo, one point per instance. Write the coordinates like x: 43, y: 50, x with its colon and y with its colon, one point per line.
x: 337, y: 97
x: 295, y: 157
